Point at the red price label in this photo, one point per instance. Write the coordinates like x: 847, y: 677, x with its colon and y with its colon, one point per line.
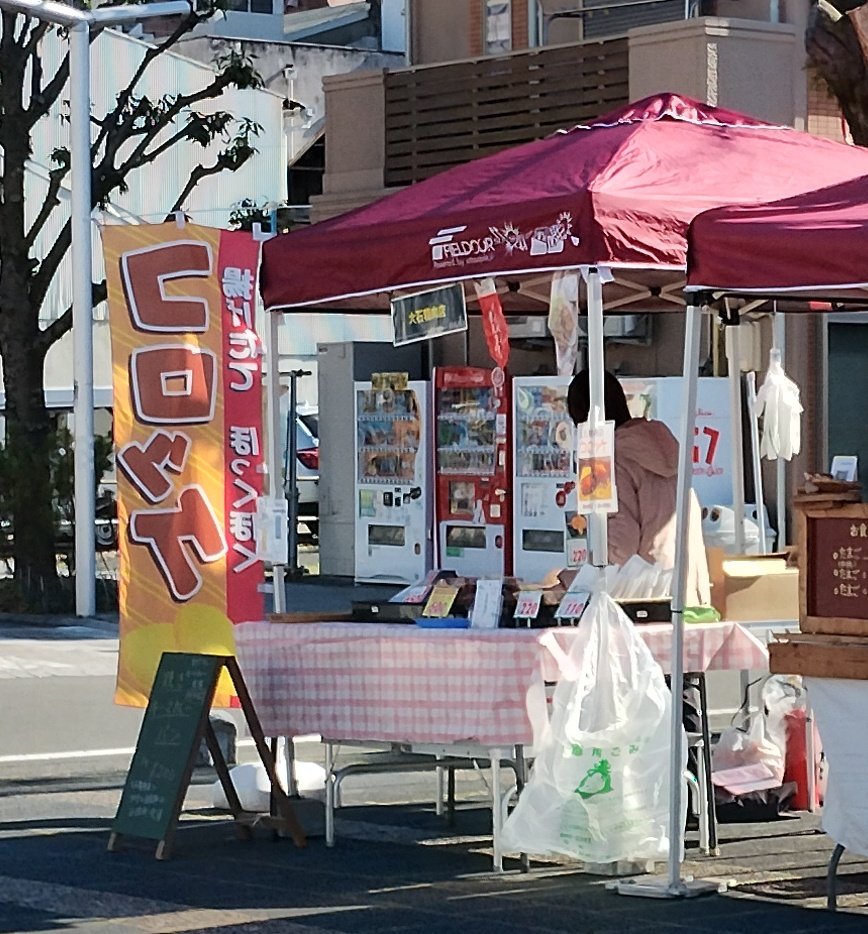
x: 705, y: 445
x: 527, y: 605
x: 572, y: 606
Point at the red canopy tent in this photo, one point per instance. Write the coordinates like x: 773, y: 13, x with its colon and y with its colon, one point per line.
x: 812, y: 243
x: 619, y: 192
x: 810, y: 247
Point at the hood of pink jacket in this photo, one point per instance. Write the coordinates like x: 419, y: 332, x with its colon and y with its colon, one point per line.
x: 649, y: 444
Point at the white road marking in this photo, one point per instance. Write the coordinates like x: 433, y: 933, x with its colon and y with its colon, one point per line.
x: 246, y: 743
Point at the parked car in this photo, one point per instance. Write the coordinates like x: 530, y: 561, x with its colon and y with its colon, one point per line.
x: 306, y: 466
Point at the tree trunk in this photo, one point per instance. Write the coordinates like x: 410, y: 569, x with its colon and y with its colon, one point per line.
x: 29, y: 438
x: 836, y: 53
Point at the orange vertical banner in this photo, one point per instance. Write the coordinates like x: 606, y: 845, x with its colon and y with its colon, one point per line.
x: 186, y: 364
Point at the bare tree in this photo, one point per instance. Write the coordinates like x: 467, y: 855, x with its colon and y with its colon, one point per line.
x: 837, y: 53
x: 132, y: 136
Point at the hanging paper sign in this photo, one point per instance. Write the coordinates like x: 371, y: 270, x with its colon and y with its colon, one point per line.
x: 493, y: 322
x: 564, y: 319
x: 423, y: 315
x: 487, y: 604
x: 528, y: 604
x: 596, y: 456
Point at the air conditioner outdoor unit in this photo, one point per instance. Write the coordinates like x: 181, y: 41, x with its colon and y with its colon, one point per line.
x: 527, y: 327
x: 621, y: 327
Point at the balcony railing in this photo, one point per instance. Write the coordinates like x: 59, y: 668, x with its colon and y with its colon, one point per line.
x: 442, y: 115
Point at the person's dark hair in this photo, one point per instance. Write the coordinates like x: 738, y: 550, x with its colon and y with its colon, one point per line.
x: 579, y: 399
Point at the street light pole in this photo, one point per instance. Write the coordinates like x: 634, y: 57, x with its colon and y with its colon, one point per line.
x: 82, y: 319
x: 79, y: 23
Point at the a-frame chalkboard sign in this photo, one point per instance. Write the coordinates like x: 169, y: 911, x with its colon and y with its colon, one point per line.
x: 175, y: 723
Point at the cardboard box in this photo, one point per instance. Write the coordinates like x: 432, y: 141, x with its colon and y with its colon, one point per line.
x: 753, y: 587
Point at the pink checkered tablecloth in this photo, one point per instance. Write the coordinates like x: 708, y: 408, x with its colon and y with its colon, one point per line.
x: 403, y: 683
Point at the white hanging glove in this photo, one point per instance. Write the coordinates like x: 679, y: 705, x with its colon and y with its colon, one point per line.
x: 778, y: 402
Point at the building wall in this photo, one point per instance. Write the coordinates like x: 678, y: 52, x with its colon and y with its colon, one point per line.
x: 742, y: 64
x: 442, y: 30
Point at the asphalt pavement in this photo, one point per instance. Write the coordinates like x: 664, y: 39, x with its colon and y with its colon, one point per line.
x: 396, y: 867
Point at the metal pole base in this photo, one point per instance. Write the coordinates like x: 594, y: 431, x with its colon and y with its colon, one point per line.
x: 659, y: 887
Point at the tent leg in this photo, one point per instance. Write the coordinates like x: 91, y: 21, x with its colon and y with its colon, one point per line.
x: 733, y: 359
x: 597, y: 522
x: 780, y: 341
x: 674, y: 886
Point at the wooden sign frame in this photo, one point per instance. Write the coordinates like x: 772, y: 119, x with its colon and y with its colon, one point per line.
x: 831, y: 625
x: 285, y: 820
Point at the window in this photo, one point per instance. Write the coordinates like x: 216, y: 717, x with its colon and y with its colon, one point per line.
x: 498, y: 27
x: 250, y: 6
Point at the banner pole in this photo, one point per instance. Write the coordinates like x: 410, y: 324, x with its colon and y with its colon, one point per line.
x: 272, y: 453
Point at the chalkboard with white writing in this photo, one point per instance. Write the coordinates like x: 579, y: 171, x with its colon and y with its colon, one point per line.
x: 172, y: 730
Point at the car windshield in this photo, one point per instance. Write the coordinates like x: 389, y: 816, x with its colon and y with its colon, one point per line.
x: 311, y: 422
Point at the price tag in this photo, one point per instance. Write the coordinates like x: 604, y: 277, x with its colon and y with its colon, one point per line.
x: 440, y: 602
x: 528, y: 604
x: 572, y: 605
x: 416, y: 594
x: 577, y: 552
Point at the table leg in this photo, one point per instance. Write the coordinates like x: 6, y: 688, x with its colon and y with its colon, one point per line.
x: 496, y: 808
x: 289, y: 758
x: 706, y: 759
x: 810, y: 757
x: 520, y: 782
x: 330, y: 794
x: 832, y: 878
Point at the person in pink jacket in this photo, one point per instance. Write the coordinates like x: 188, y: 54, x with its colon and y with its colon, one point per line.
x: 646, y: 478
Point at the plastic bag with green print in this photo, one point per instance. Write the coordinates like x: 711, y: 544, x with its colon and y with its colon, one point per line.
x: 599, y: 787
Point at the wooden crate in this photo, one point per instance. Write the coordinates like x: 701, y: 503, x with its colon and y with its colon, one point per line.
x: 311, y: 617
x: 820, y: 656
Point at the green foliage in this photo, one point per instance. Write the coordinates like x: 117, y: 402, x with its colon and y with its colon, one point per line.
x: 62, y: 468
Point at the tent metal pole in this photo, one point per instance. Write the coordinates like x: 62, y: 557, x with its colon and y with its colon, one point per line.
x: 679, y: 590
x: 272, y: 446
x: 597, y: 522
x: 780, y: 344
x: 733, y: 356
x: 674, y: 886
x: 756, y: 463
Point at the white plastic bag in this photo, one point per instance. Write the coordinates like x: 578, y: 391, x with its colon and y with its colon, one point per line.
x: 599, y: 787
x: 750, y: 756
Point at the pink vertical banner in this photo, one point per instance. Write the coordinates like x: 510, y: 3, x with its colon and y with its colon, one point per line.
x: 243, y: 441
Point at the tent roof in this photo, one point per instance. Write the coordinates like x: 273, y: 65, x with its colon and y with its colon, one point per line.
x: 619, y: 192
x: 812, y: 243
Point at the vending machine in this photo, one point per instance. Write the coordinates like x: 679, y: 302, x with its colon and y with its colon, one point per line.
x: 393, y: 481
x: 472, y: 491
x: 548, y: 532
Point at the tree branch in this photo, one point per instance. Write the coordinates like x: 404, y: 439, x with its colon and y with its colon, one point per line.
x: 114, y: 117
x: 41, y: 104
x: 41, y: 279
x: 48, y: 205
x: 55, y: 330
x: 36, y: 37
